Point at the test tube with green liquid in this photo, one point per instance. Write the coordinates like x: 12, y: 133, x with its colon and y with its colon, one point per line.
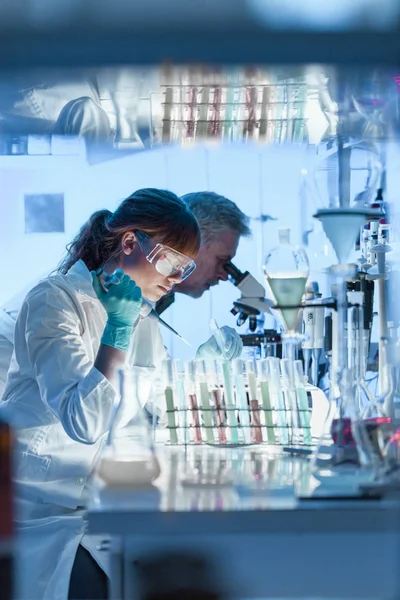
x: 205, y: 404
x: 266, y: 400
x: 302, y: 399
x: 169, y: 400
x: 230, y: 402
x: 241, y: 399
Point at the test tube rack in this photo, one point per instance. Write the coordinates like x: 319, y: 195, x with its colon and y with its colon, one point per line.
x: 238, y: 411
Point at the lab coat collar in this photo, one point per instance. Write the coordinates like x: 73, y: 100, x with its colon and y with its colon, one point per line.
x: 81, y: 280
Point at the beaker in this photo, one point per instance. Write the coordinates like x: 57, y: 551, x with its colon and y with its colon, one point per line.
x: 128, y: 458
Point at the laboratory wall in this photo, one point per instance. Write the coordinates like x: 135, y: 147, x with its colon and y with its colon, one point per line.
x: 263, y: 181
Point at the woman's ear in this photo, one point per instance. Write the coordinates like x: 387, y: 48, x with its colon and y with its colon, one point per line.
x: 128, y: 242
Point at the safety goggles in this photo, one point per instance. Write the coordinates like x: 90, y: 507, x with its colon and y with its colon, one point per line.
x: 167, y: 261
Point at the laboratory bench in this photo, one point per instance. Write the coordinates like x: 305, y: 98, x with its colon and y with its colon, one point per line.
x: 248, y: 523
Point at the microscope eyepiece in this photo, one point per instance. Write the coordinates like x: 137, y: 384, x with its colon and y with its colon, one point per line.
x: 234, y: 273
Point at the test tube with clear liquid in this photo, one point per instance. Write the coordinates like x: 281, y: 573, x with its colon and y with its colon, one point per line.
x: 241, y: 399
x: 179, y: 379
x: 302, y: 402
x: 287, y: 371
x: 278, y: 400
x: 230, y: 405
x: 205, y: 402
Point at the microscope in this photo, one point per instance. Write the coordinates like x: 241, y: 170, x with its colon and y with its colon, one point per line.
x: 251, y: 303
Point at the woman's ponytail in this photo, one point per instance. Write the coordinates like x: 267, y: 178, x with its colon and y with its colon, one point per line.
x: 88, y: 244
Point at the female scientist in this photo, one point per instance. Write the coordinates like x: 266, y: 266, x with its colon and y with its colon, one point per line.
x: 70, y: 337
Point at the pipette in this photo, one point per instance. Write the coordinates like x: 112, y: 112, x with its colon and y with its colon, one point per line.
x: 218, y: 335
x: 147, y: 309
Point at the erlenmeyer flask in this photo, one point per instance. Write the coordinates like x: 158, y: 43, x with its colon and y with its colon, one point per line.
x: 128, y: 458
x: 286, y: 271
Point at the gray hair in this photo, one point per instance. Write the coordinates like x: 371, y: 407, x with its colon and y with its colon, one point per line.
x: 216, y: 214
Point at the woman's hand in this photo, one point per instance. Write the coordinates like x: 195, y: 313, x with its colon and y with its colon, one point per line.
x: 122, y: 300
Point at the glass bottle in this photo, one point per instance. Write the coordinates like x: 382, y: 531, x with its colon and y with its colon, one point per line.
x: 286, y: 271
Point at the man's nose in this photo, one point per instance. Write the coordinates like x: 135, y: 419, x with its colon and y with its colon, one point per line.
x: 223, y: 275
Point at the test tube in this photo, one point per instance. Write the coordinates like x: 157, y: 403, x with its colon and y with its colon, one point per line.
x: 266, y: 400
x: 213, y: 375
x: 169, y: 399
x: 277, y: 399
x: 230, y: 403
x: 205, y: 401
x: 302, y: 401
x: 190, y: 384
x: 291, y: 399
x: 179, y: 375
x: 241, y: 399
x: 256, y: 432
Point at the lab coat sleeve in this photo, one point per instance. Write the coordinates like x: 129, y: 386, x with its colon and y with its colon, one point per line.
x: 74, y: 390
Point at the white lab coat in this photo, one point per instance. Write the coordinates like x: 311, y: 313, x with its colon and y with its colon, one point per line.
x: 7, y: 325
x: 59, y: 405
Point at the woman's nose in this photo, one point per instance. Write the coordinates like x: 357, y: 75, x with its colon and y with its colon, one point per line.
x: 175, y: 278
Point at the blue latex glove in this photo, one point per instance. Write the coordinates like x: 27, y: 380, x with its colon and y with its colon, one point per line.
x: 233, y: 345
x: 122, y: 300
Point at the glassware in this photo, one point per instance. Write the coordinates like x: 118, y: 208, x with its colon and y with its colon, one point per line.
x: 256, y: 431
x: 263, y: 377
x: 230, y: 405
x: 217, y: 399
x: 241, y: 399
x: 179, y: 379
x: 287, y: 372
x: 128, y: 458
x: 192, y: 402
x: 278, y: 400
x: 168, y: 377
x: 302, y: 402
x: 205, y: 402
x: 286, y: 271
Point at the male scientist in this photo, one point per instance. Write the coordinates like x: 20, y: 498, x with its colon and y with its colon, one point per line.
x: 222, y: 224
